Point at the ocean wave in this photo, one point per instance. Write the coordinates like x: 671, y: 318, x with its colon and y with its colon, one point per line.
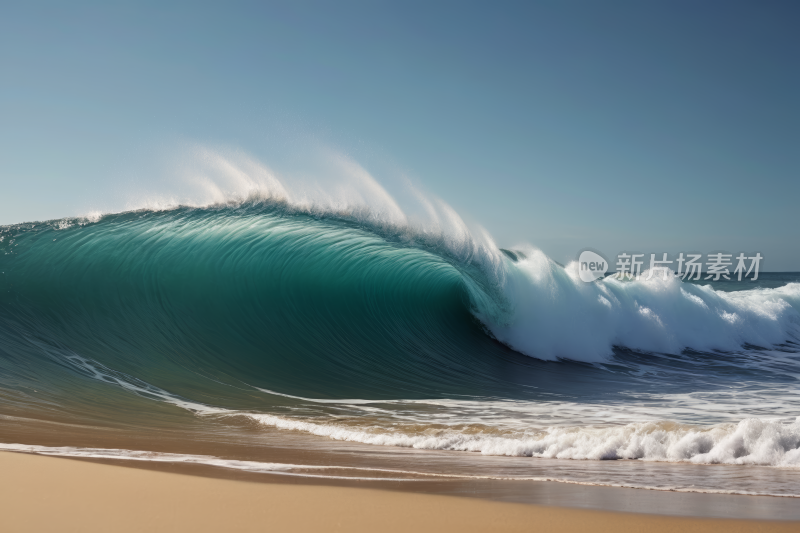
x: 271, y: 303
x: 531, y: 304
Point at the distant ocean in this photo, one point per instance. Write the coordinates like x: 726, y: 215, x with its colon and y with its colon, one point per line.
x: 210, y: 334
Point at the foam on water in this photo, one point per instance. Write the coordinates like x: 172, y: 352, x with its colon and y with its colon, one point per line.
x: 497, y: 428
x: 555, y: 314
x: 751, y: 441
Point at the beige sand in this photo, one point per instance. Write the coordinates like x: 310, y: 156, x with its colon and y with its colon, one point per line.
x: 55, y: 494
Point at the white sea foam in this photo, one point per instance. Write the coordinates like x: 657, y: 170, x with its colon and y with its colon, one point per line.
x: 553, y: 314
x: 751, y: 441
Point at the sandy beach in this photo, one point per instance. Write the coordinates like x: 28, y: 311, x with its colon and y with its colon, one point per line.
x: 40, y: 493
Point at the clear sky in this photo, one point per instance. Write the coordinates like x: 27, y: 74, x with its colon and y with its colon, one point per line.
x: 650, y: 126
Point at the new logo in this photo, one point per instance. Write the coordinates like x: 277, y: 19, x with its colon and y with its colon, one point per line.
x: 591, y: 266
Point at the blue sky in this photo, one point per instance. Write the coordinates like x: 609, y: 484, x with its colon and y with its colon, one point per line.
x: 647, y: 126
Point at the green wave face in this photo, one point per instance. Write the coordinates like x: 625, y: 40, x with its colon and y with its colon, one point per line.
x: 208, y: 303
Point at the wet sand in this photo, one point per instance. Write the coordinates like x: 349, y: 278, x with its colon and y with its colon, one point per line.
x: 40, y: 493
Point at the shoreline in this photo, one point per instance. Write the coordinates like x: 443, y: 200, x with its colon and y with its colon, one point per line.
x: 275, y: 446
x: 255, y: 444
x: 41, y: 493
